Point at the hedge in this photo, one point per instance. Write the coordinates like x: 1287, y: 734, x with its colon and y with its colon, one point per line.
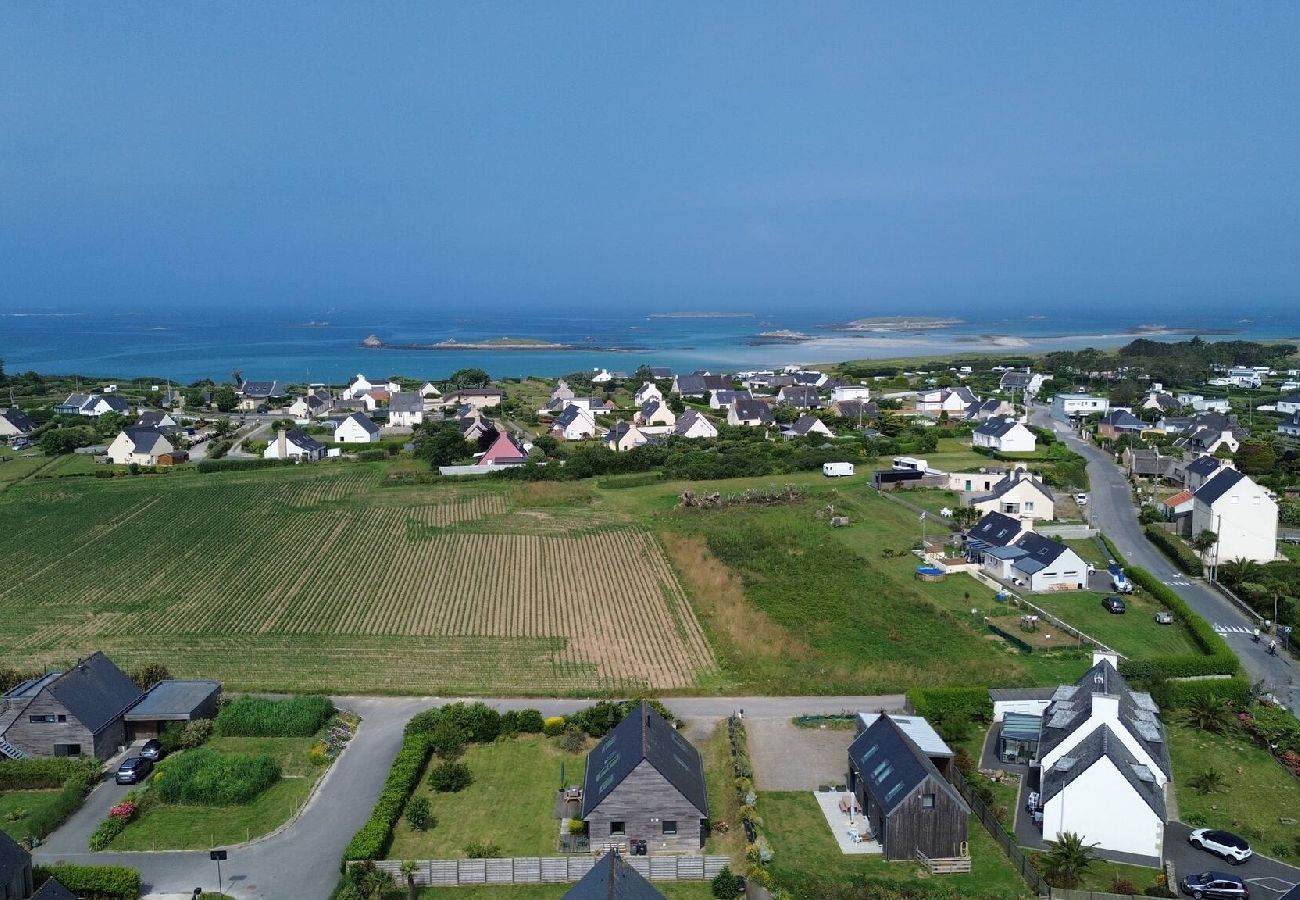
x: 93, y: 882
x: 1218, y: 658
x: 208, y: 778
x: 1235, y: 690
x: 238, y: 465
x: 300, y: 716
x: 371, y: 842
x: 932, y: 703
x: 1179, y: 553
x: 35, y: 773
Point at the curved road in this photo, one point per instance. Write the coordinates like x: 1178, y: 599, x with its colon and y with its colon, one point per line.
x: 1112, y: 510
x: 301, y: 861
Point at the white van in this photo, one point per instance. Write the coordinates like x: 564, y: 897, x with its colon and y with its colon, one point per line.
x: 836, y: 470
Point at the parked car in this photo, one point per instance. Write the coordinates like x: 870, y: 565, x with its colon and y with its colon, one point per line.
x: 1115, y: 605
x: 1221, y: 843
x: 1081, y: 499
x: 1215, y: 886
x: 152, y: 750
x: 1164, y: 617
x: 134, y: 770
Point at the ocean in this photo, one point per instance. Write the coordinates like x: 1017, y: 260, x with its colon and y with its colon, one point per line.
x: 184, y: 346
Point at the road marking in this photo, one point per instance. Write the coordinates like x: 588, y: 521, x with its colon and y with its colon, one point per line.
x: 1176, y: 583
x: 1269, y: 887
x: 1231, y: 629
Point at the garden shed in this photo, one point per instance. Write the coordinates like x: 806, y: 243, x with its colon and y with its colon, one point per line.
x: 171, y: 701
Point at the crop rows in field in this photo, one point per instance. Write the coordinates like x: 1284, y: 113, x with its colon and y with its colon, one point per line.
x: 268, y: 583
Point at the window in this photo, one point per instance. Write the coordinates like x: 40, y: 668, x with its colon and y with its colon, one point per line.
x: 670, y: 826
x: 927, y: 801
x: 67, y: 749
x: 63, y: 718
x: 617, y: 828
x: 36, y: 720
x: 1029, y: 506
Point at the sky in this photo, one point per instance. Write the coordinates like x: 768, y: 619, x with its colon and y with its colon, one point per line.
x: 594, y: 156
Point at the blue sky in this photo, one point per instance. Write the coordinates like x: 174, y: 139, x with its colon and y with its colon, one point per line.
x: 726, y: 155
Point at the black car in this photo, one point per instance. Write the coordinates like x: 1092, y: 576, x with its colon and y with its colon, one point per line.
x: 1114, y: 605
x: 152, y: 750
x: 134, y: 770
x: 1215, y: 886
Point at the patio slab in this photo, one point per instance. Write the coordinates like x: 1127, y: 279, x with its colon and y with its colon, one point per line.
x: 840, y: 823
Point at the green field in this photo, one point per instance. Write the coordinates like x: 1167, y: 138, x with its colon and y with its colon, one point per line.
x: 1133, y: 634
x: 16, y: 808
x: 511, y: 802
x: 19, y: 466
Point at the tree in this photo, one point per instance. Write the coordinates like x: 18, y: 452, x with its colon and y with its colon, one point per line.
x: 409, y: 868
x: 467, y: 378
x: 726, y: 885
x: 965, y: 516
x: 1208, y: 714
x: 440, y: 443
x: 1204, y: 542
x: 225, y: 398
x: 1255, y: 457
x: 1126, y: 393
x: 149, y: 674
x: 58, y: 441
x: 1067, y: 859
x: 1239, y: 571
x: 109, y: 424
x: 223, y: 426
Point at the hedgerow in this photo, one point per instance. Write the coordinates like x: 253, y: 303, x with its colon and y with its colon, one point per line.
x: 75, y: 778
x: 372, y: 840
x: 300, y: 716
x: 1235, y: 690
x: 92, y: 882
x: 1179, y: 553
x: 239, y: 465
x: 209, y: 778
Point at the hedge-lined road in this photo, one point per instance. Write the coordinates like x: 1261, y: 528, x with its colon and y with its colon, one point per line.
x: 301, y: 862
x: 1112, y: 510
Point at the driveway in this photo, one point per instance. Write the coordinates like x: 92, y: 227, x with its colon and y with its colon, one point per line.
x: 1266, y: 877
x: 789, y: 758
x: 1111, y: 509
x: 74, y: 835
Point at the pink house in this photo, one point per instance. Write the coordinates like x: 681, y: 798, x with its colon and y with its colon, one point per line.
x: 505, y: 451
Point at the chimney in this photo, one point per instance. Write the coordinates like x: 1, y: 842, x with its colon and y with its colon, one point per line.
x: 1112, y: 658
x: 1105, y: 707
x: 282, y: 445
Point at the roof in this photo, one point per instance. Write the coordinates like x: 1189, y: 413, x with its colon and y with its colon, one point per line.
x: 146, y: 439
x: 1219, y: 485
x: 76, y: 400
x: 1021, y: 726
x: 406, y: 401
x: 1041, y: 550
x: 504, y: 449
x: 1178, y: 499
x: 260, y: 389
x: 53, y: 889
x: 1016, y: 379
x: 1008, y: 552
x: 995, y: 529
x: 1122, y: 419
x: 363, y: 420
x: 303, y: 440
x: 172, y: 700
x: 917, y: 728
x: 113, y: 402
x: 751, y: 408
x: 892, y: 766
x: 804, y: 424
x: 661, y: 372
x: 12, y: 857
x: 996, y: 427
x: 611, y: 878
x: 1009, y: 482
x: 1204, y: 465
x: 1101, y: 744
x: 689, y: 418
x: 644, y: 735
x: 18, y: 419
x: 95, y: 691
x: 570, y: 414
x: 800, y: 395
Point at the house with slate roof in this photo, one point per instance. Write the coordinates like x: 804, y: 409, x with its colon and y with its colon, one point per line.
x: 254, y: 395
x: 806, y: 425
x: 1240, y: 512
x: 295, y: 443
x: 648, y: 391
x: 991, y: 408
x: 15, y: 870
x: 357, y: 428
x: 140, y: 445
x: 992, y: 530
x: 1289, y: 404
x: 910, y: 806
x: 15, y: 423
x: 573, y: 424
x: 656, y: 412
x: 698, y: 384
x: 624, y: 436
x: 74, y: 713
x: 1104, y: 763
x: 723, y: 399
x: 1291, y: 427
x: 405, y: 410
x: 645, y: 782
x: 800, y: 396
x: 1005, y: 436
x: 1024, y: 383
x: 749, y: 411
x: 1200, y: 470
x: 694, y: 424
x: 953, y: 401
x: 1043, y: 564
x: 93, y: 405
x: 1119, y: 422
x: 611, y: 878
x: 1020, y: 494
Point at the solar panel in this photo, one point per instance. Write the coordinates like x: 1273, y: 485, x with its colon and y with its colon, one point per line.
x: 892, y: 791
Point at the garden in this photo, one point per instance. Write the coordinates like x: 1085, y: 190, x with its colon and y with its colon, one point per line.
x: 37, y: 795
x: 252, y: 774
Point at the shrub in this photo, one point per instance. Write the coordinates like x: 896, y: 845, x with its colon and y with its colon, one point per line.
x: 149, y: 674
x: 208, y: 778
x: 93, y: 882
x: 1179, y: 553
x: 36, y: 773
x: 599, y: 719
x: 480, y: 722
x: 522, y: 721
x: 196, y: 733
x: 108, y: 829
x: 1234, y: 691
x: 448, y: 739
x: 216, y: 464
x: 726, y: 886
x: 372, y: 455
x: 936, y: 704
x: 1123, y: 886
x: 482, y: 850
x: 553, y: 726
x: 572, y: 740
x: 371, y: 841
x: 419, y: 813
x: 450, y: 777
x: 299, y: 716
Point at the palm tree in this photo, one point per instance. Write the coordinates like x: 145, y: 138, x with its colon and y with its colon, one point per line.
x: 1208, y: 714
x: 1067, y: 859
x: 409, y: 868
x: 1238, y: 571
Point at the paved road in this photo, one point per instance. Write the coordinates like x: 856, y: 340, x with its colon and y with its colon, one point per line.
x: 301, y: 862
x: 1267, y: 878
x: 1111, y: 509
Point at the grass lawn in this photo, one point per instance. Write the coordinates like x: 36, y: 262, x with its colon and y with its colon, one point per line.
x: 1290, y: 551
x: 1101, y: 875
x: 674, y: 890
x: 1089, y: 551
x: 1135, y: 633
x: 805, y: 850
x: 1256, y: 789
x: 724, y: 806
x: 511, y: 802
x: 177, y: 826
x: 27, y: 802
x: 18, y: 466
x: 932, y: 499
x: 74, y: 464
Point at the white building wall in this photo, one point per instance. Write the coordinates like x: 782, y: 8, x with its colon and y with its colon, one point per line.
x: 1245, y: 519
x: 1105, y: 711
x: 1102, y: 807
x: 1018, y: 439
x: 349, y: 432
x: 1028, y: 707
x: 1068, y: 572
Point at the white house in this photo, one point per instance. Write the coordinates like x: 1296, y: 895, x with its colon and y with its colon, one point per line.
x: 1244, y: 377
x: 1104, y: 764
x: 294, y: 443
x: 93, y: 405
x: 647, y: 392
x: 850, y: 392
x: 362, y: 385
x: 310, y: 405
x: 656, y: 412
x: 806, y: 425
x: 142, y: 446
x: 429, y: 389
x: 945, y: 400
x: 602, y: 376
x: 624, y: 436
x: 574, y: 424
x: 1289, y: 404
x: 1004, y: 435
x: 1020, y: 495
x: 1200, y: 404
x: 15, y: 423
x: 1038, y: 563
x: 749, y: 411
x: 694, y: 424
x: 405, y: 410
x: 1290, y: 428
x: 723, y: 399
x: 357, y: 428
x: 1026, y: 383
x: 1066, y: 407
x: 1240, y: 512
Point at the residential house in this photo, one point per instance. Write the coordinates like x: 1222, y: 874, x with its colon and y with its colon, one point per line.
x: 1240, y: 512
x: 475, y: 426
x: 1289, y: 404
x: 648, y: 391
x: 994, y: 407
x: 562, y: 392
x: 405, y: 410
x: 312, y: 404
x: 505, y: 451
x: 1201, y: 404
x: 480, y: 398
x: 1207, y: 432
x: 15, y: 870
x: 1178, y: 509
x: 1026, y: 384
x: 1020, y: 494
x: 1145, y: 463
x: 863, y: 410
x: 597, y: 406
x: 363, y: 385
x: 1291, y: 426
x: 155, y: 418
x: 952, y: 401
x: 1042, y: 565
x: 429, y: 391
x: 171, y: 701
x: 749, y: 411
x: 699, y: 384
x: 74, y: 713
x: 1119, y: 422
x: 846, y: 392
x: 255, y: 395
x: 694, y: 424
x: 574, y: 424
x: 655, y: 412
x: 806, y: 425
x: 295, y: 443
x: 1072, y: 407
x: 140, y: 446
x: 800, y: 396
x: 661, y: 372
x: 611, y: 878
x: 992, y: 530
x: 93, y: 405
x: 1104, y: 764
x: 645, y: 782
x: 15, y: 423
x: 981, y: 482
x: 911, y: 808
x: 723, y: 399
x: 1005, y: 436
x: 624, y: 436
x: 1162, y: 401
x: 357, y: 428
x: 1244, y: 377
x: 1200, y: 470
x: 602, y: 376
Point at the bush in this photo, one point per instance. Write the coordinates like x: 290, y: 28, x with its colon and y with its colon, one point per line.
x: 938, y: 704
x: 726, y: 886
x: 419, y: 813
x: 149, y: 674
x: 93, y: 882
x: 107, y: 830
x: 522, y: 721
x: 208, y: 778
x: 572, y: 740
x: 373, y: 838
x: 450, y: 777
x: 372, y: 455
x: 482, y: 850
x: 553, y: 726
x: 217, y: 464
x: 36, y: 773
x: 1235, y: 691
x: 1179, y: 553
x: 599, y: 719
x: 196, y: 733
x: 448, y: 739
x: 480, y: 722
x: 300, y: 716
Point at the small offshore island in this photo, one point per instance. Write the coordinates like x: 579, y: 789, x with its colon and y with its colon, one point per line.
x: 897, y: 323
x: 701, y: 315
x: 373, y: 342
x: 780, y: 336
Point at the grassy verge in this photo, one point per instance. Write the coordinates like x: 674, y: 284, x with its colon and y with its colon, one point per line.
x: 724, y: 807
x: 511, y: 802
x: 679, y: 890
x: 18, y: 808
x: 1103, y: 874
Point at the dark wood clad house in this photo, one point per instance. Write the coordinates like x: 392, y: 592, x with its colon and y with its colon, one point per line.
x: 15, y: 870
x: 645, y: 782
x: 911, y: 807
x: 74, y: 713
x: 613, y: 879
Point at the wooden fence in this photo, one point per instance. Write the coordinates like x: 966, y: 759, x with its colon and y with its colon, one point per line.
x: 547, y: 869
